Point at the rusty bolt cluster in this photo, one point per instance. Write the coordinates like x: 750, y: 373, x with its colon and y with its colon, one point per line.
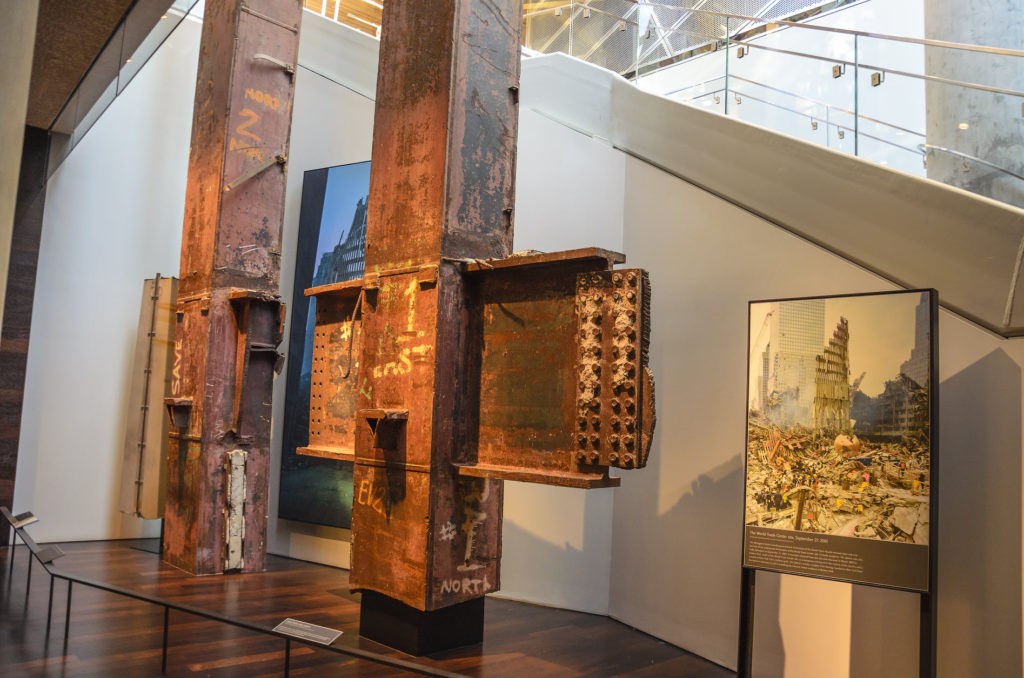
x: 608, y: 305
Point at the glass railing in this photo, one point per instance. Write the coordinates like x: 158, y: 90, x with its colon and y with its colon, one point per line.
x: 949, y: 111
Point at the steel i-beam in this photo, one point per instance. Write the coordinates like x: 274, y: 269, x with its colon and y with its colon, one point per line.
x: 229, y: 311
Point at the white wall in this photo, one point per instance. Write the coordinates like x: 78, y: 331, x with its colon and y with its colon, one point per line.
x: 678, y: 522
x: 113, y: 217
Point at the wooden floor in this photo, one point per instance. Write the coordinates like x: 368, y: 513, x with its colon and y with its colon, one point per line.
x: 111, y: 635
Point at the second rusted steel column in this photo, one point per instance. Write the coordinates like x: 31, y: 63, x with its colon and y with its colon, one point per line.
x: 441, y: 190
x: 228, y: 315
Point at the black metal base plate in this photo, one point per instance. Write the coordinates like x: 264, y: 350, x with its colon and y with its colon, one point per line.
x: 395, y: 624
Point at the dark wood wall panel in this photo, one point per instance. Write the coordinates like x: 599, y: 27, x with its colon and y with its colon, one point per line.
x: 17, y: 321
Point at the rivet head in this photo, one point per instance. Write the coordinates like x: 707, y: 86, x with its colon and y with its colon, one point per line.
x: 617, y: 278
x: 616, y: 406
x: 594, y: 457
x: 613, y: 457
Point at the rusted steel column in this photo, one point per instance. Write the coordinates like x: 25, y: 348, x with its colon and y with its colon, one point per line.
x: 441, y: 191
x: 228, y: 320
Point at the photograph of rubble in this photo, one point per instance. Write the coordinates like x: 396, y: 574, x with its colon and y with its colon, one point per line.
x: 838, y: 430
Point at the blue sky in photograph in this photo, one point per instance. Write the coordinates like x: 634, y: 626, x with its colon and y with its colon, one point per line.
x: 346, y: 185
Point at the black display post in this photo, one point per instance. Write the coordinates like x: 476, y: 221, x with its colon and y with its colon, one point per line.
x: 882, y: 566
x: 745, y: 660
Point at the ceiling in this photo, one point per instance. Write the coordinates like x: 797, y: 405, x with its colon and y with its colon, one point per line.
x: 69, y: 35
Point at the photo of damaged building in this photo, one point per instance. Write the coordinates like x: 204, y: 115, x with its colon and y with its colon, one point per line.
x: 828, y: 453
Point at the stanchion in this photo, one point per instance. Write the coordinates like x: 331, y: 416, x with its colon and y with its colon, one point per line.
x: 163, y: 660
x: 67, y: 614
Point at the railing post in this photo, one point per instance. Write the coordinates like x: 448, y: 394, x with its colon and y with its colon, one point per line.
x: 727, y: 48
x: 49, y: 607
x: 856, y: 97
x: 67, y: 614
x: 163, y: 656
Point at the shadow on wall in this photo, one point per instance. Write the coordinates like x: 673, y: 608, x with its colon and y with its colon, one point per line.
x: 579, y: 580
x: 979, y: 577
x: 769, y: 652
x: 693, y: 543
x: 980, y: 521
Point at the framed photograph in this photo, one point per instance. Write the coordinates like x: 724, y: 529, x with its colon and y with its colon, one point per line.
x: 841, y: 416
x: 331, y: 248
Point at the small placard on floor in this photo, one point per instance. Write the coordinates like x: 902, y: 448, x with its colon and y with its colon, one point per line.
x: 306, y: 631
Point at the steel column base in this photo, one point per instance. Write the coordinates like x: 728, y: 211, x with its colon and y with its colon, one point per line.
x: 395, y: 624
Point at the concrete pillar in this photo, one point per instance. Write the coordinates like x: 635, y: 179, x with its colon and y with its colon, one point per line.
x: 971, y: 122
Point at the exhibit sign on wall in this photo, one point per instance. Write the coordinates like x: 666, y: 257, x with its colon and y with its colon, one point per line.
x: 840, y: 420
x: 330, y: 248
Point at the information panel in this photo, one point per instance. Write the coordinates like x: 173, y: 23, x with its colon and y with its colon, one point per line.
x: 840, y: 415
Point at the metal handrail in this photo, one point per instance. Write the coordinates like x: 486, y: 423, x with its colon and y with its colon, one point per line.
x: 928, y: 42
x: 828, y: 123
x: 918, y: 149
x: 883, y: 69
x: 812, y: 100
x: 966, y: 156
x: 828, y: 29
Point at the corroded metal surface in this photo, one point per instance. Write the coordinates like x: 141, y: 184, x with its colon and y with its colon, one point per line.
x: 468, y: 372
x: 229, y: 315
x: 337, y: 349
x: 615, y: 389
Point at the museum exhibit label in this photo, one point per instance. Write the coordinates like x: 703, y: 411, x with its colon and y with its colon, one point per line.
x: 839, y: 472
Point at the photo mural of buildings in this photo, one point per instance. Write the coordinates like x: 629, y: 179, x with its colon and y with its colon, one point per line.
x: 838, y: 427
x: 331, y: 248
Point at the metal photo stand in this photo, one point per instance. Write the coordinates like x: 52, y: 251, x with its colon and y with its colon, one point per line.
x: 927, y: 665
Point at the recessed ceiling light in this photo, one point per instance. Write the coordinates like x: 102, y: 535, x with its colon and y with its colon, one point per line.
x: 963, y: 125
